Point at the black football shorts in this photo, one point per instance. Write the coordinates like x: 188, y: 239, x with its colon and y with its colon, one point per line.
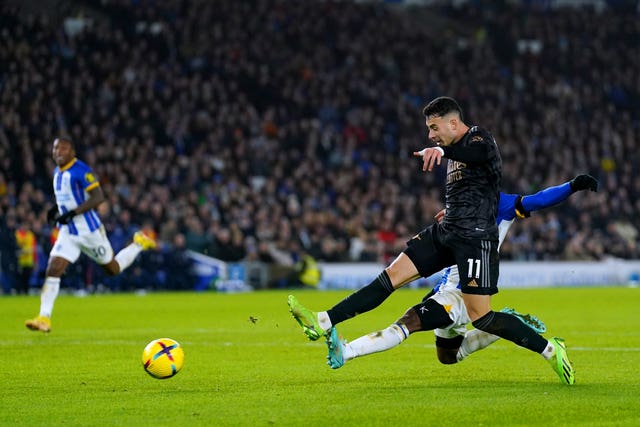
x: 434, y: 248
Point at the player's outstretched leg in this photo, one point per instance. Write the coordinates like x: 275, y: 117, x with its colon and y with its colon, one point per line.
x: 560, y: 362
x: 40, y: 323
x: 528, y: 319
x: 335, y: 344
x: 306, y: 318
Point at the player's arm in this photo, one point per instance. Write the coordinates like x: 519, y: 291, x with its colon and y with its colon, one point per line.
x: 481, y: 148
x: 553, y: 195
x: 96, y: 196
x: 478, y: 151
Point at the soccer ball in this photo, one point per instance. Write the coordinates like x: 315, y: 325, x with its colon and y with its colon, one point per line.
x: 163, y: 358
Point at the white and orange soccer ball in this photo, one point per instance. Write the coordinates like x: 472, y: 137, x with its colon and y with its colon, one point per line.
x: 163, y: 358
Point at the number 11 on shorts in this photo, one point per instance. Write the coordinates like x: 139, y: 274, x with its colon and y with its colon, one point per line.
x: 471, y: 262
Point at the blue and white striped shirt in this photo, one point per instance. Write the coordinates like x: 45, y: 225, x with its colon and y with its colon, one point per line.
x: 71, y: 184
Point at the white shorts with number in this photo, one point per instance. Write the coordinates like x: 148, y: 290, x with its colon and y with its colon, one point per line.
x: 450, y: 297
x: 95, y: 245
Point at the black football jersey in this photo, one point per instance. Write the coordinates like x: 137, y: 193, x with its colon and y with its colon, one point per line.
x: 474, y: 175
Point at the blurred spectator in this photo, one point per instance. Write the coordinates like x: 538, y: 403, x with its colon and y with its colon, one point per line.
x: 26, y: 241
x: 178, y: 265
x: 195, y: 238
x: 229, y: 245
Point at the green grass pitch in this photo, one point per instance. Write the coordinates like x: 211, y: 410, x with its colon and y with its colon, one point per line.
x: 248, y: 363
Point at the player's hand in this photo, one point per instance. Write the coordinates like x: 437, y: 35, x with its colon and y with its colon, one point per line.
x: 440, y: 215
x: 430, y: 157
x: 52, y: 215
x: 65, y: 218
x: 584, y: 182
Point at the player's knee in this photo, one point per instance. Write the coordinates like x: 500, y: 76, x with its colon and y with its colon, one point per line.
x: 432, y: 315
x: 401, y: 271
x: 112, y: 268
x: 477, y: 306
x: 56, y: 267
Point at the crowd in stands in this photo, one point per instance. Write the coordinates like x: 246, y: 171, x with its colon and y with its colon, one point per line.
x: 262, y: 130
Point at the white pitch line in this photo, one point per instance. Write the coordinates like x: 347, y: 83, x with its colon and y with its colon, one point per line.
x: 617, y: 349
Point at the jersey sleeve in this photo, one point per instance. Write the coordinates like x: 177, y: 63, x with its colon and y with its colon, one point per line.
x: 480, y: 147
x: 86, y: 178
x: 546, y: 198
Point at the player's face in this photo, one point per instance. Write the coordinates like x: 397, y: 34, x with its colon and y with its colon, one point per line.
x: 62, y: 152
x: 442, y: 129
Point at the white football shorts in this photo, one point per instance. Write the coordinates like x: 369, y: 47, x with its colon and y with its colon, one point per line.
x: 95, y: 245
x: 450, y: 297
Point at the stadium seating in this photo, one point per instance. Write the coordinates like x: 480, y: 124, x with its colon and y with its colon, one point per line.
x: 260, y: 130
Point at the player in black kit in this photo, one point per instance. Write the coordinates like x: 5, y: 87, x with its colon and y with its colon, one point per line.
x: 467, y: 237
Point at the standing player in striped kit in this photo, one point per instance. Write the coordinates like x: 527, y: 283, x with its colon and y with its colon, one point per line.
x: 78, y: 194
